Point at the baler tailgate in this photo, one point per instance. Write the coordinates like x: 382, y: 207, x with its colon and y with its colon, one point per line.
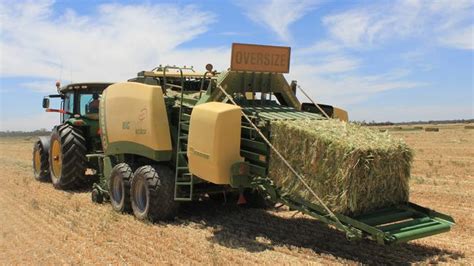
x: 403, y: 223
x: 392, y: 225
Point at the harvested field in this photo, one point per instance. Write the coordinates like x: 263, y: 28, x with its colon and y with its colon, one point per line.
x: 42, y: 225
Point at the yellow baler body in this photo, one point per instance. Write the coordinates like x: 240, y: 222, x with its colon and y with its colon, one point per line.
x: 134, y: 120
x: 214, y: 141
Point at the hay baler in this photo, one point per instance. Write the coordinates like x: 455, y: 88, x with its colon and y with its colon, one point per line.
x: 172, y: 135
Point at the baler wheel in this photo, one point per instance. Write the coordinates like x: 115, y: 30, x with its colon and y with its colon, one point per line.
x: 40, y: 162
x: 119, y: 187
x: 152, y: 193
x: 67, y: 157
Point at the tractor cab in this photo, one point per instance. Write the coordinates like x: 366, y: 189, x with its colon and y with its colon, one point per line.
x: 62, y: 156
x: 79, y: 105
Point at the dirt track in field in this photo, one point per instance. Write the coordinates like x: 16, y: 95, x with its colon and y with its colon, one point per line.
x: 39, y: 224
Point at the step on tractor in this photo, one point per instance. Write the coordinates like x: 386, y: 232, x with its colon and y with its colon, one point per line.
x: 173, y: 135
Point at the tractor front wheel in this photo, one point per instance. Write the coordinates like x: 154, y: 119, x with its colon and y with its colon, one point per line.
x: 67, y: 157
x: 40, y: 162
x: 152, y: 193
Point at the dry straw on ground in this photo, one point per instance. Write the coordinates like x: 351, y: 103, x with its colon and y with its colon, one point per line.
x: 354, y: 169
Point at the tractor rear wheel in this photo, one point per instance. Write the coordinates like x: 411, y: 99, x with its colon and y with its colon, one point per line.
x: 67, y: 157
x: 40, y: 162
x: 152, y: 193
x: 119, y: 187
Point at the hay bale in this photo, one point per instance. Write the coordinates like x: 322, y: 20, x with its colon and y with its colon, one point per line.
x: 469, y: 127
x: 431, y: 129
x: 353, y: 168
x: 418, y: 128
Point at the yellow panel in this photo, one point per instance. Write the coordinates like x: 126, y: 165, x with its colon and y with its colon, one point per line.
x: 340, y: 114
x: 214, y: 141
x: 136, y: 112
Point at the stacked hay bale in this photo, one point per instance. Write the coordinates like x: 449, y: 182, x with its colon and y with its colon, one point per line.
x: 354, y: 169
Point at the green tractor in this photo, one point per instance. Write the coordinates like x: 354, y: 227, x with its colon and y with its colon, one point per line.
x: 61, y: 157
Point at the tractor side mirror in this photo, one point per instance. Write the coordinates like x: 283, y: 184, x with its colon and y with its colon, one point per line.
x: 45, y: 102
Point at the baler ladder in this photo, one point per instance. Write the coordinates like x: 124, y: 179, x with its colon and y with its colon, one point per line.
x: 183, y: 188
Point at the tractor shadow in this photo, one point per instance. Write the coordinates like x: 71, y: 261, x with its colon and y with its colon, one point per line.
x: 258, y: 230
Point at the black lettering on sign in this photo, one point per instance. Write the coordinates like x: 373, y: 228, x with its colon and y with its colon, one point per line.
x: 283, y: 60
x: 238, y: 57
x: 259, y: 58
x: 253, y: 58
x: 246, y: 58
x: 266, y: 59
x: 277, y: 59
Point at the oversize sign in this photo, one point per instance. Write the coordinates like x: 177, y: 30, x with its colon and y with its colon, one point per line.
x: 260, y: 58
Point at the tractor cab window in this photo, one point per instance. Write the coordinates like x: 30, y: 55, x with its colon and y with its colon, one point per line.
x: 89, y: 105
x: 68, y: 105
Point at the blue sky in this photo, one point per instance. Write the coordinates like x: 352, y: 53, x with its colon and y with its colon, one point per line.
x: 380, y: 60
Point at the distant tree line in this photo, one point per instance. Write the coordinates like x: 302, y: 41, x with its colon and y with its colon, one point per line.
x: 388, y: 123
x: 39, y: 132
x: 45, y: 132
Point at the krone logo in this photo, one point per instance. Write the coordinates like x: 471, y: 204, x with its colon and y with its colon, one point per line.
x: 143, y: 114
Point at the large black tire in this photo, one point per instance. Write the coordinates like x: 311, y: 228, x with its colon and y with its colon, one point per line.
x: 152, y: 193
x: 119, y: 187
x: 67, y: 161
x: 41, y: 162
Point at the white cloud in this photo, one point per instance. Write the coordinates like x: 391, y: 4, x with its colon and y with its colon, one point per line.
x: 448, y: 22
x: 326, y: 65
x: 319, y: 47
x: 114, y: 43
x: 348, y: 88
x: 45, y: 86
x: 277, y: 15
x: 339, y: 79
x: 327, y: 73
x: 461, y: 39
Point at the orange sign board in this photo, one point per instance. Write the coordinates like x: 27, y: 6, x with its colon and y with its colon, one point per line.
x: 260, y: 58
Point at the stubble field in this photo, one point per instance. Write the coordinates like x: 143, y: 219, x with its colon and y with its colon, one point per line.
x: 39, y: 224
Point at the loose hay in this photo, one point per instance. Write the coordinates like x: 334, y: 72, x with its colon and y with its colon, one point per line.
x: 354, y: 169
